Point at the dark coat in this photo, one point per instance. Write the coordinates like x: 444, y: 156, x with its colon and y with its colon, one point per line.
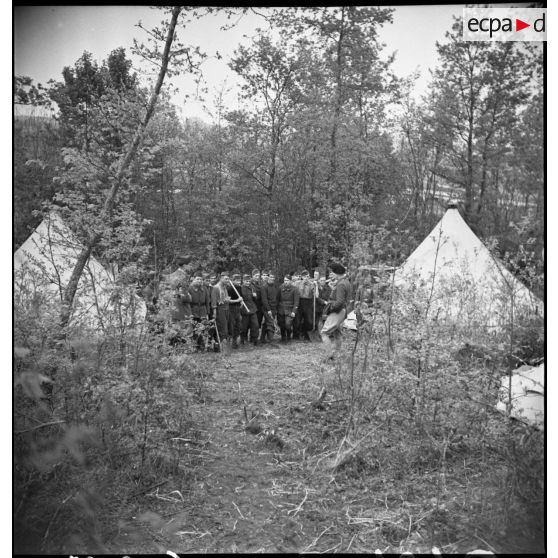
x: 306, y: 288
x: 289, y: 298
x: 323, y: 297
x: 200, y: 302
x: 340, y: 296
x: 249, y: 296
x: 257, y: 288
x: 233, y: 296
x: 270, y: 296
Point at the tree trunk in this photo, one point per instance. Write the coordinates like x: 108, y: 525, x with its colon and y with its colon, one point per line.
x: 338, y: 98
x: 324, y: 248
x: 469, y: 194
x: 469, y: 177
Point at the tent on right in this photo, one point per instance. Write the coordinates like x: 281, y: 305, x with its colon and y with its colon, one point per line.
x: 462, y: 281
x: 522, y: 395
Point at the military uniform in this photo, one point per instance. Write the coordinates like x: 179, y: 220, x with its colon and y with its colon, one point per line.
x: 220, y: 305
x: 180, y: 314
x: 339, y: 301
x: 270, y: 296
x: 288, y: 301
x: 297, y: 320
x: 235, y: 318
x: 306, y: 307
x: 199, y: 305
x: 257, y: 284
x: 249, y: 322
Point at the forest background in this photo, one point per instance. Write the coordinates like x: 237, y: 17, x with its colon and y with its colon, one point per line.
x: 334, y: 149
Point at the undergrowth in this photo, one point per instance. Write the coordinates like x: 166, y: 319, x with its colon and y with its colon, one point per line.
x: 415, y: 401
x: 96, y: 425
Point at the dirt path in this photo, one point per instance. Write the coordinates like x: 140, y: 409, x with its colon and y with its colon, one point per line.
x: 257, y: 487
x: 270, y: 488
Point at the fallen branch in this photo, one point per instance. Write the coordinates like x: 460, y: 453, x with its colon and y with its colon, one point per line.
x: 351, y: 542
x: 484, y: 542
x: 299, y: 507
x: 144, y: 490
x: 343, y: 457
x: 168, y: 498
x: 238, y: 510
x: 317, y: 539
x: 329, y: 550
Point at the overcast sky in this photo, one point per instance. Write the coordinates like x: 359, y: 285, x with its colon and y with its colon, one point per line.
x: 47, y: 38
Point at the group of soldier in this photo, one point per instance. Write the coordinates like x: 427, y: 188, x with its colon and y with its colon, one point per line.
x: 234, y: 309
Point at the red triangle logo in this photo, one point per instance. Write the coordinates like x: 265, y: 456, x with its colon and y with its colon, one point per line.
x: 519, y: 25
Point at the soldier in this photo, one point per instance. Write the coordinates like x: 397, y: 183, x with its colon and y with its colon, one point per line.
x: 199, y: 305
x: 297, y: 322
x: 306, y: 308
x: 336, y: 310
x: 270, y: 295
x: 324, y: 292
x: 248, y: 311
x: 207, y: 285
x: 287, y: 307
x: 257, y: 284
x: 235, y: 319
x: 220, y: 305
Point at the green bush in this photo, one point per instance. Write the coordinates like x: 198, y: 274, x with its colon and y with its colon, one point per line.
x: 94, y: 421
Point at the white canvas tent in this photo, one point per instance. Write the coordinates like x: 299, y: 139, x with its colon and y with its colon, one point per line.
x: 527, y: 395
x: 462, y: 278
x: 43, y: 265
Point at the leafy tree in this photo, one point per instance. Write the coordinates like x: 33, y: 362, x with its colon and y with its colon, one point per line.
x: 352, y: 90
x: 25, y: 92
x: 271, y: 75
x: 119, y: 174
x: 473, y: 126
x: 117, y: 171
x: 82, y: 88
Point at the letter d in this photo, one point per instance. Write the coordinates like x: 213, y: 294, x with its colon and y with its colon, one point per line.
x: 542, y: 21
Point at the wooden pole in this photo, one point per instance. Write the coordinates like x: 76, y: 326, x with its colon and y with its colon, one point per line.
x: 232, y: 285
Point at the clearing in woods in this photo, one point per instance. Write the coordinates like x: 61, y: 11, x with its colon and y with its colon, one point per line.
x: 269, y: 485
